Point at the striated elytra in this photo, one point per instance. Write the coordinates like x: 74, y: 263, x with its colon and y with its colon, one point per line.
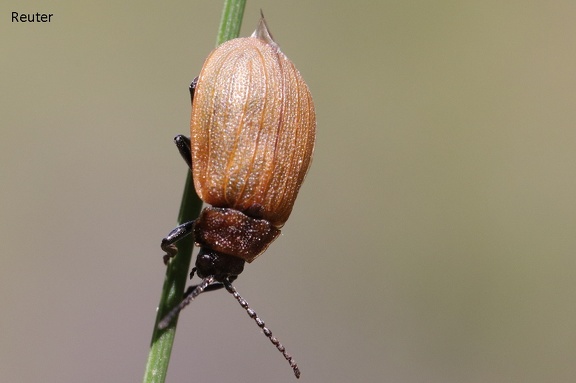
x: 252, y: 128
x: 252, y: 133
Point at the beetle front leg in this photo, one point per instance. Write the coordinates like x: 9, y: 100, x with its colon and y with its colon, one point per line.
x: 168, y: 243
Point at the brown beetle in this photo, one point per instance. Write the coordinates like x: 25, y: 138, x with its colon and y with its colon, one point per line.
x: 252, y: 136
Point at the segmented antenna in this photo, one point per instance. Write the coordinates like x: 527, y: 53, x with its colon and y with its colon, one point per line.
x: 261, y: 324
x: 185, y: 302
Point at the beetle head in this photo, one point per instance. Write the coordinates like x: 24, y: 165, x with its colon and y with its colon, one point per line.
x: 221, y: 266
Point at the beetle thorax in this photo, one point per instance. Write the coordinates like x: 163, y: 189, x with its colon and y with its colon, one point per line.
x: 228, y: 238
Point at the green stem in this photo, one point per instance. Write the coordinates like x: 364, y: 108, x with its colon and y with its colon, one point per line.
x: 177, y: 269
x: 231, y: 20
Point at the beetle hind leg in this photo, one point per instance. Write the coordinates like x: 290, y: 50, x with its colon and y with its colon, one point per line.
x: 193, y: 88
x: 183, y: 142
x: 183, y: 145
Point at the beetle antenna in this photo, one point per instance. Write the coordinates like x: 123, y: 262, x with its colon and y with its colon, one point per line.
x: 228, y: 285
x: 199, y: 289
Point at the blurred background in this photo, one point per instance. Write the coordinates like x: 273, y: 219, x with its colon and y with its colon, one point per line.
x: 433, y: 240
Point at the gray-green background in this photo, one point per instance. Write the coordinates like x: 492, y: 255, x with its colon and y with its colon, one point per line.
x: 433, y: 240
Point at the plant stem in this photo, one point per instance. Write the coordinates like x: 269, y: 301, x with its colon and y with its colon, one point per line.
x: 172, y: 290
x: 231, y: 20
x: 177, y: 269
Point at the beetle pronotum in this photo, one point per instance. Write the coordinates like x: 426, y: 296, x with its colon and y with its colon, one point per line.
x: 252, y: 135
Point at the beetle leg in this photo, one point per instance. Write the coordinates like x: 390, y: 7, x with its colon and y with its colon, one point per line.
x: 168, y: 243
x: 192, y: 88
x: 183, y: 145
x: 182, y: 142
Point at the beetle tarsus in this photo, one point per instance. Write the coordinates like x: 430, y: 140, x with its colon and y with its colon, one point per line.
x: 171, y: 251
x: 168, y: 243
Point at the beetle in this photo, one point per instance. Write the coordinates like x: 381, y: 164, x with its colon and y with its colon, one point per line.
x: 252, y: 135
